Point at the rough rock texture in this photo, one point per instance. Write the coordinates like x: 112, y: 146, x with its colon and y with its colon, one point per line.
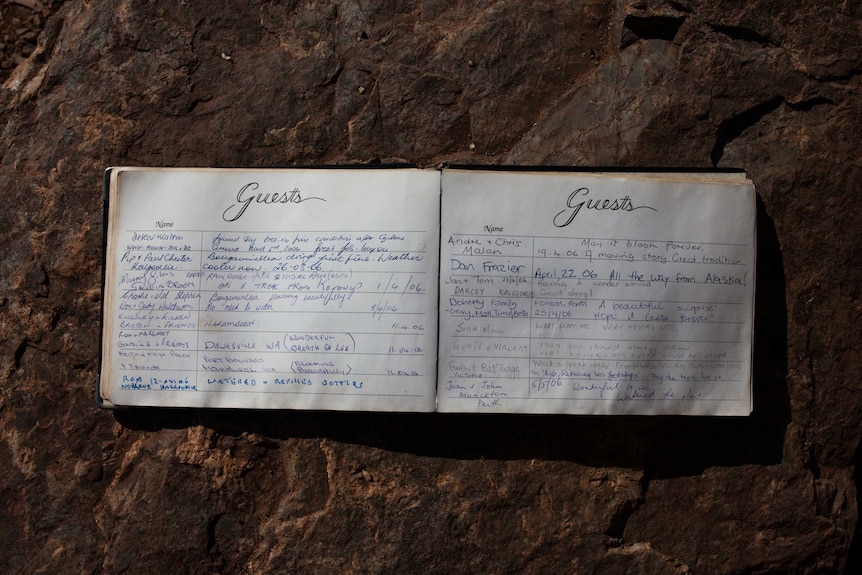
x: 773, y: 87
x: 20, y: 24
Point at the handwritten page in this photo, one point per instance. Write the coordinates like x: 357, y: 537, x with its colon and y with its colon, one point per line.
x: 596, y: 294
x: 313, y: 289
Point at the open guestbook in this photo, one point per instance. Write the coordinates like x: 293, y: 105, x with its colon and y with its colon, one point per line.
x: 455, y: 290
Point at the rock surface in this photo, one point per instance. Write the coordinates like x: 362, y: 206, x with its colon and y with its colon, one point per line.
x: 771, y: 87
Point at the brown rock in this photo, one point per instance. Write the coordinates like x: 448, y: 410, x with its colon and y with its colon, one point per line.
x: 767, y: 86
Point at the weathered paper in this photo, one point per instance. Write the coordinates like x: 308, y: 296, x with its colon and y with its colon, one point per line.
x: 318, y: 289
x: 312, y: 289
x: 596, y: 294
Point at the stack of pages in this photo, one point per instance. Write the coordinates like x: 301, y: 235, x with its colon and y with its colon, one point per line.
x: 455, y: 290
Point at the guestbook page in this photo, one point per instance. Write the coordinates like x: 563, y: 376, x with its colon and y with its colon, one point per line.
x: 596, y: 294
x: 312, y: 289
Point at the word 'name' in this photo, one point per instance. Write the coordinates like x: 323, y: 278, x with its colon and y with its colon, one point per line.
x: 567, y: 215
x: 245, y: 196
